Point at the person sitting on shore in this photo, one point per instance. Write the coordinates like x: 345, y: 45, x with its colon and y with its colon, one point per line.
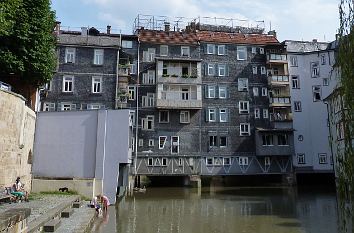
x: 18, y: 190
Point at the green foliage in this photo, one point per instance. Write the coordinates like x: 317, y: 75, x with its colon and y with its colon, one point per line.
x: 27, y: 43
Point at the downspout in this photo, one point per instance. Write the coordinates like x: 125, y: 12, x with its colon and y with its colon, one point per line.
x: 104, y: 146
x: 117, y: 69
x: 137, y: 111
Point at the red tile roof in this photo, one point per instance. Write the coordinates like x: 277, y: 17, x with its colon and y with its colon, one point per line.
x: 161, y: 37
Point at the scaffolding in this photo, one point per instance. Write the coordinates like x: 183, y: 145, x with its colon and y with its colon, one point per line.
x: 159, y: 23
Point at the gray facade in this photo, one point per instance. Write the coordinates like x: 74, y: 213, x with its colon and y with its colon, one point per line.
x: 83, y: 145
x: 312, y: 78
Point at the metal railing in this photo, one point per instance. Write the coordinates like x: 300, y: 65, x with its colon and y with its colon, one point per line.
x: 277, y: 57
x: 179, y: 95
x: 280, y: 116
x: 279, y: 78
x: 280, y: 100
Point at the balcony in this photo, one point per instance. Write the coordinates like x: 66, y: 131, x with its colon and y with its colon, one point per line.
x: 182, y: 79
x: 179, y: 100
x: 278, y: 80
x: 124, y: 70
x: 281, y: 117
x: 280, y: 102
x: 172, y: 72
x: 277, y: 58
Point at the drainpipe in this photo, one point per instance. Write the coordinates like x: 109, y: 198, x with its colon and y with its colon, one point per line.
x: 117, y: 69
x: 137, y: 112
x: 104, y: 146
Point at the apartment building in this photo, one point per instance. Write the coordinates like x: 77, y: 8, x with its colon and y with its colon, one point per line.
x: 86, y: 73
x: 312, y: 78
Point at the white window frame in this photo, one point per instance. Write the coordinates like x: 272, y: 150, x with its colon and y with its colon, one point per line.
x: 322, y: 158
x: 168, y: 116
x: 263, y: 70
x: 293, y: 61
x: 224, y: 161
x: 211, y: 69
x: 172, y: 144
x: 68, y: 79
x: 211, y: 91
x: 264, y: 91
x: 267, y: 161
x: 255, y: 91
x: 131, y: 92
x: 316, y: 90
x: 98, y: 57
x: 241, y: 51
x: 242, y: 81
x: 209, y: 161
x: 145, y: 122
x: 325, y: 81
x: 213, y: 141
x: 257, y: 113
x: 187, y: 48
x: 180, y: 162
x: 70, y: 54
x: 222, y: 70
x: 223, y: 115
x: 127, y: 44
x: 221, y: 49
x: 66, y: 106
x: 212, y: 112
x: 315, y: 69
x: 226, y: 141
x: 254, y: 69
x: 301, y: 158
x: 243, y: 160
x: 150, y: 162
x: 151, y: 143
x: 323, y: 59
x: 94, y: 106
x: 165, y: 49
x: 265, y: 141
x: 265, y: 113
x: 141, y: 142
x: 261, y: 50
x: 295, y: 82
x: 210, y: 49
x: 184, y: 117
x: 96, y: 84
x: 245, y: 129
x: 254, y: 50
x: 48, y: 107
x: 164, y: 162
x: 243, y: 107
x: 164, y: 139
x: 297, y: 106
x: 222, y: 89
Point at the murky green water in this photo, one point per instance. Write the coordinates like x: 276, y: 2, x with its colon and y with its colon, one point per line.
x: 223, y: 210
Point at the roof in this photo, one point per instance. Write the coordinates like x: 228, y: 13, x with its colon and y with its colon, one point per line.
x: 237, y: 38
x: 79, y: 40
x: 162, y: 37
x: 305, y: 46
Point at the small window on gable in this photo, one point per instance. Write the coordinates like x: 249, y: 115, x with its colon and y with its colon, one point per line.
x: 70, y: 55
x: 301, y: 159
x: 98, y: 57
x: 163, y: 50
x: 325, y: 81
x: 221, y: 50
x: 241, y: 53
x: 293, y: 61
x: 210, y: 49
x: 322, y: 158
x: 295, y: 82
x: 297, y: 106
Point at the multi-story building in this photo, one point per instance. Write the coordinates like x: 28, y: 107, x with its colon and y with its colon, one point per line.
x: 312, y: 78
x: 87, y: 71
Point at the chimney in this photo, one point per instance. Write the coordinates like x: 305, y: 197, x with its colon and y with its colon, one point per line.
x: 108, y: 29
x: 167, y: 26
x: 273, y: 33
x: 57, y: 27
x: 84, y: 31
x: 314, y: 41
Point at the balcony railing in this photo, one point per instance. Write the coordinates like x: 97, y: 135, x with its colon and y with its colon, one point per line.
x: 180, y: 79
x: 277, y: 57
x: 124, y: 69
x: 279, y: 78
x: 280, y: 101
x: 179, y: 95
x: 281, y: 117
x: 179, y: 100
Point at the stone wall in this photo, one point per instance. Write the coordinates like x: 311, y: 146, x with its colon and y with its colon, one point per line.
x: 17, y: 123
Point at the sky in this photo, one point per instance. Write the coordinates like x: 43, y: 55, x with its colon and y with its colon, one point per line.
x: 291, y: 19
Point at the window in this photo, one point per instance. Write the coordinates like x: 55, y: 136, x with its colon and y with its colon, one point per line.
x: 261, y: 50
x: 131, y: 92
x: 180, y: 162
x: 223, y: 141
x: 245, y: 129
x: 68, y: 106
x: 149, y: 55
x: 211, y: 69
x: 150, y: 161
x: 48, y: 86
x: 242, y: 84
x: 265, y: 113
x: 243, y: 160
x: 132, y: 143
x: 264, y: 91
x: 221, y: 50
x: 96, y: 84
x: 127, y: 44
x: 323, y: 59
x: 149, y: 77
x: 297, y: 106
x: 255, y: 91
x: 254, y: 69
x: 243, y: 107
x: 223, y: 115
x: 174, y: 145
x: 222, y: 70
x: 148, y: 100
x: 164, y: 116
x: 210, y: 49
x: 133, y: 68
x: 151, y: 142
x: 212, y: 114
x: 217, y: 161
x: 141, y: 142
x: 325, y: 81
x: 301, y: 158
x: 293, y: 61
x: 340, y: 130
x: 70, y: 55
x: 163, y: 50
x: 241, y: 53
x: 213, y: 141
x: 162, y: 142
x: 263, y: 70
x: 300, y: 138
x: 316, y: 91
x: 184, y: 117
x: 295, y: 82
x: 226, y: 161
x: 95, y: 106
x: 267, y: 161
x: 98, y: 57
x: 48, y: 107
x: 147, y: 123
x: 254, y: 50
x: 222, y: 92
x: 257, y: 113
x: 163, y: 162
x: 185, y: 51
x: 211, y: 92
x: 283, y: 140
x: 315, y: 70
x: 322, y: 158
x: 267, y: 140
x: 68, y: 83
x: 209, y: 161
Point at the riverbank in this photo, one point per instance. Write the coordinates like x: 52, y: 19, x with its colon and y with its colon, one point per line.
x: 44, y: 205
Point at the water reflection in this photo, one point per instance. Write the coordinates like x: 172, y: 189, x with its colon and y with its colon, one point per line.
x: 214, y: 210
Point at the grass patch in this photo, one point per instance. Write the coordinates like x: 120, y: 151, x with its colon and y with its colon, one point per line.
x: 59, y: 193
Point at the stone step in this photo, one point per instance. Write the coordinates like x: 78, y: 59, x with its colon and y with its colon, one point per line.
x: 67, y: 212
x: 52, y: 225
x: 77, y: 204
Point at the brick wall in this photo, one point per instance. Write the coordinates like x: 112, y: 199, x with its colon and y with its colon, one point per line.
x: 17, y: 123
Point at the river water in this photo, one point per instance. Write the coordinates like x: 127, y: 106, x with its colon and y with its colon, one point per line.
x: 223, y: 210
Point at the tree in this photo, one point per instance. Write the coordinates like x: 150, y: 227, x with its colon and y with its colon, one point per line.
x: 27, y: 43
